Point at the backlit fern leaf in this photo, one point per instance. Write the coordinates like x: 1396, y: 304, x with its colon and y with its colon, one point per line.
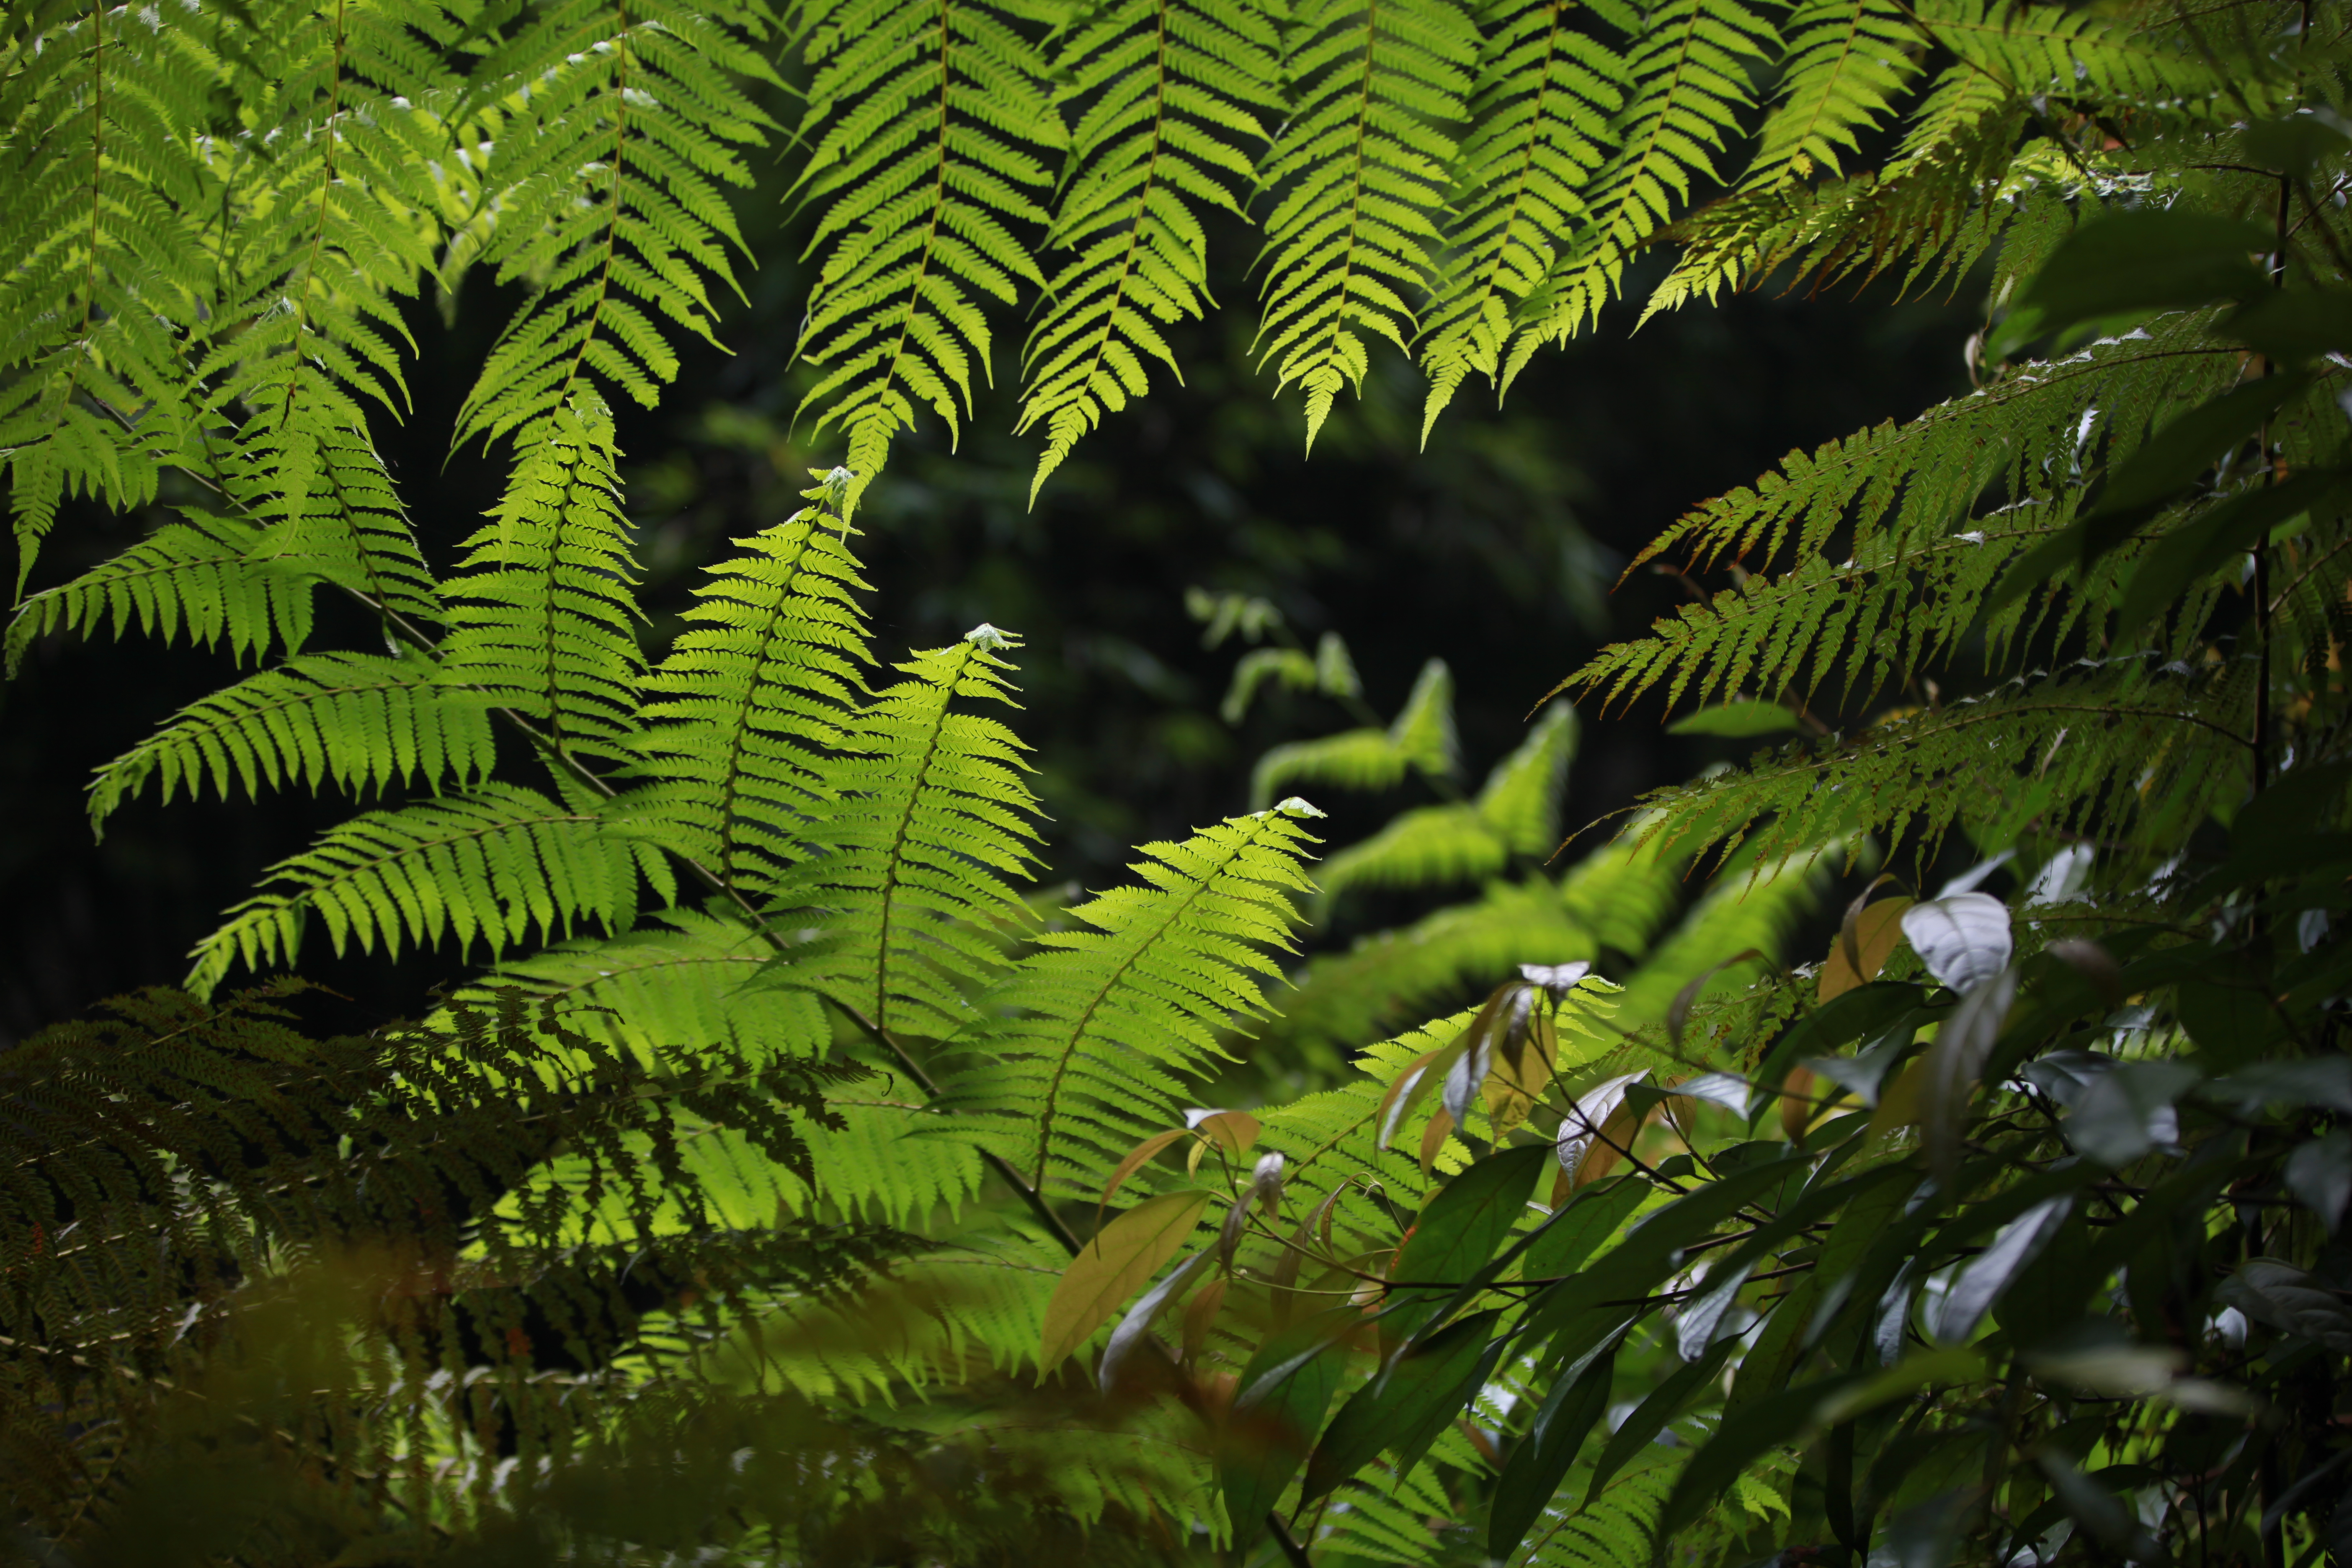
x: 360, y: 721
x: 1542, y: 120
x: 764, y: 674
x: 617, y: 124
x: 1174, y: 92
x: 1847, y: 63
x: 1753, y: 905
x: 492, y: 865
x: 929, y: 823
x: 1087, y: 1045
x: 1517, y: 814
x: 1421, y: 739
x: 1689, y: 74
x: 192, y: 578
x: 1360, y: 174
x: 306, y: 469
x: 929, y: 121
x: 2042, y: 48
x: 543, y: 618
x: 99, y: 274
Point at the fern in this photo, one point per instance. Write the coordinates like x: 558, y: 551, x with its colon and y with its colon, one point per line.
x: 1688, y: 83
x: 1360, y: 173
x: 617, y: 123
x: 542, y: 621
x: 195, y: 574
x: 929, y: 819
x: 762, y: 678
x: 1169, y: 88
x: 363, y: 721
x: 928, y: 123
x: 1421, y: 739
x: 1846, y: 64
x: 1101, y: 1028
x: 1543, y: 109
x: 492, y: 865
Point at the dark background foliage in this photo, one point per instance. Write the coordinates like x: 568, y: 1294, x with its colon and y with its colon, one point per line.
x: 1499, y: 549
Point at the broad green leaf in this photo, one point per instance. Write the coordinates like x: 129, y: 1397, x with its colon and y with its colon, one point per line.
x: 1284, y: 1392
x: 2212, y: 539
x: 1537, y: 1467
x: 1459, y: 1230
x: 1589, y: 1218
x: 2149, y: 259
x: 1650, y: 1417
x: 1112, y: 1267
x: 1403, y: 1408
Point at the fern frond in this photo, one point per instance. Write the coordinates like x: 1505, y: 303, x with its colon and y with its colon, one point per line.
x: 1543, y: 115
x: 542, y: 620
x: 1421, y: 738
x: 1690, y: 85
x: 1520, y: 799
x: 1754, y: 904
x: 306, y: 469
x: 363, y: 720
x: 1617, y: 1529
x: 1387, y: 1518
x: 2033, y: 49
x: 492, y: 866
x: 618, y: 124
x: 764, y: 677
x: 1175, y: 95
x: 1847, y: 63
x: 929, y: 121
x: 1360, y: 174
x: 99, y: 274
x: 194, y: 577
x: 1088, y: 1044
x: 928, y: 822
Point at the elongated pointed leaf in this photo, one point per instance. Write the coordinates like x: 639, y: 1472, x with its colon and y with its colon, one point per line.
x: 1284, y: 1392
x: 1537, y: 1467
x: 1460, y: 1229
x: 1404, y: 1408
x: 1112, y: 1267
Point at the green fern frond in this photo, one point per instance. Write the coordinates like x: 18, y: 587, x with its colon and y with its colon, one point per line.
x: 617, y: 125
x: 1543, y: 114
x: 99, y: 276
x: 1847, y: 63
x: 1175, y: 94
x: 492, y: 866
x: 542, y: 618
x: 2110, y: 749
x: 1521, y: 797
x: 1616, y: 1530
x: 1387, y: 1518
x: 763, y: 676
x: 1752, y: 905
x: 1689, y: 84
x: 193, y: 577
x: 1427, y: 847
x: 363, y: 720
x: 912, y: 862
x: 1360, y: 172
x: 2035, y: 49
x: 929, y: 120
x: 1421, y: 738
x: 1086, y: 1045
x: 327, y: 505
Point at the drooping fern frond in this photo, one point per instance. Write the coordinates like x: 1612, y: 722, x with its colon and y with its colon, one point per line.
x: 1542, y: 114
x: 542, y: 621
x: 1360, y: 174
x: 618, y: 124
x: 929, y: 823
x: 306, y: 469
x: 1175, y: 92
x: 928, y: 121
x: 193, y: 577
x: 1847, y: 63
x: 763, y: 676
x: 1421, y: 739
x: 1689, y: 83
x: 362, y: 720
x: 98, y: 109
x: 1753, y: 905
x: 1084, y: 1047
x: 490, y: 865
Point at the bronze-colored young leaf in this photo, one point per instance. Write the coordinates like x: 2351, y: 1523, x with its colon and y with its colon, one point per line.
x: 1112, y: 1267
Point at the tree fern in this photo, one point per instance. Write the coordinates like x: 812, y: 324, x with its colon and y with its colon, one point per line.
x: 490, y: 865
x: 1688, y: 84
x: 1543, y: 113
x: 1173, y: 92
x: 360, y: 721
x: 616, y: 125
x: 1088, y: 1042
x: 1359, y: 175
x: 194, y: 576
x: 928, y: 822
x: 541, y: 624
x: 1847, y: 63
x: 1421, y: 739
x: 929, y: 122
x: 764, y: 677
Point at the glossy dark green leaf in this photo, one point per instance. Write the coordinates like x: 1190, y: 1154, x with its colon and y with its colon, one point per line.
x: 2319, y: 1175
x: 2290, y: 1301
x: 1458, y: 1232
x: 1745, y: 1433
x: 2294, y: 324
x: 1577, y: 1231
x: 1779, y: 1348
x: 2176, y: 455
x: 1284, y: 1392
x: 1404, y: 1408
x: 1858, y: 1014
x: 2212, y: 539
x: 2147, y: 259
x: 2123, y: 1113
x: 2097, y: 1511
x: 1650, y: 1417
x: 1537, y: 1467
